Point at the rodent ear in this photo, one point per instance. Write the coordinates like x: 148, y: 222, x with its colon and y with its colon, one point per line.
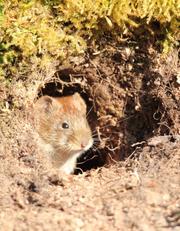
x: 45, y: 104
x: 80, y: 103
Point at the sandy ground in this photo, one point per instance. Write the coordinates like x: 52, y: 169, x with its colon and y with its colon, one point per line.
x: 141, y: 193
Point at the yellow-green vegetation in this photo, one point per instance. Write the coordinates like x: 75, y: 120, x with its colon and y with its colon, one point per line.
x: 35, y: 33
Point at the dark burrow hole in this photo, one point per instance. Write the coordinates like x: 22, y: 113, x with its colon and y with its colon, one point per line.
x: 140, y: 125
x: 143, y: 123
x: 92, y: 158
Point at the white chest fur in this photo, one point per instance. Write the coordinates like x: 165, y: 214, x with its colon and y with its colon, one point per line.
x: 67, y: 166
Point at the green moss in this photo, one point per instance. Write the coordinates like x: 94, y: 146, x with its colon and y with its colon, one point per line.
x: 37, y: 32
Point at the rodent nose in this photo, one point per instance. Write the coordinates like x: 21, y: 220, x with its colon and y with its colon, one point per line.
x: 83, y: 144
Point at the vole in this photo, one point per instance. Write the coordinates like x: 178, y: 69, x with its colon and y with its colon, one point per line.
x: 64, y: 132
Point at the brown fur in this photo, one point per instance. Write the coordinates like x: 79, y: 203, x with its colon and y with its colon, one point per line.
x: 62, y: 144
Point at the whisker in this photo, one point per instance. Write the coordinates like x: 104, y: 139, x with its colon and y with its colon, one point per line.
x: 107, y: 132
x: 67, y: 148
x: 95, y: 137
x: 89, y: 112
x: 96, y: 143
x: 94, y: 133
x: 95, y: 146
x: 96, y: 150
x: 75, y: 140
x: 82, y: 162
x: 77, y: 168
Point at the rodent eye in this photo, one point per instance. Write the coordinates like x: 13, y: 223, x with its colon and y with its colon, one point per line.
x: 65, y: 125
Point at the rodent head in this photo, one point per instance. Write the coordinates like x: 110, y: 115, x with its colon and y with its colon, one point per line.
x: 61, y: 122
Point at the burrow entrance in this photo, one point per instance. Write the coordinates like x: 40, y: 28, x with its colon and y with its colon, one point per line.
x: 131, y: 98
x: 116, y: 132
x: 65, y: 85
